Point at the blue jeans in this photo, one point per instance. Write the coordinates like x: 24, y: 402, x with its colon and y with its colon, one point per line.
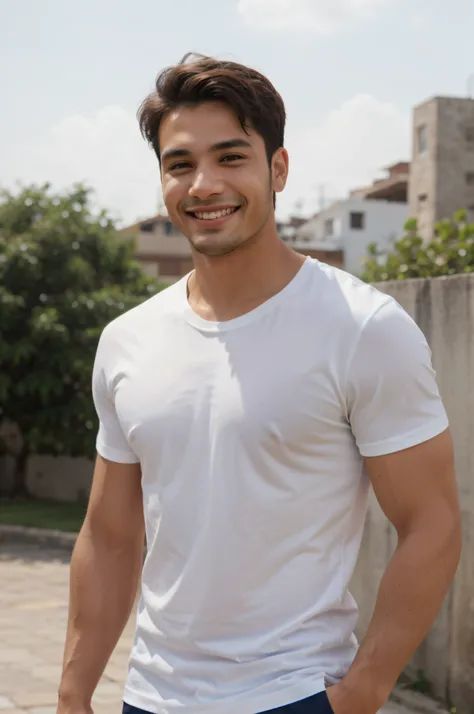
x: 318, y: 704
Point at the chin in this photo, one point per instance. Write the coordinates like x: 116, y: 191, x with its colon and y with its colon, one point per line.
x: 215, y: 248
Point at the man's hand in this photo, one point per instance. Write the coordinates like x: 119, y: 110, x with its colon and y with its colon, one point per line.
x: 64, y: 709
x: 67, y: 706
x: 345, y: 700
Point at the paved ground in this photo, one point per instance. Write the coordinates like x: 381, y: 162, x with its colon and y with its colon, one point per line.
x: 33, y: 612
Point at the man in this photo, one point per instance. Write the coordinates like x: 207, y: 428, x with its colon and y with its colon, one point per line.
x: 244, y: 412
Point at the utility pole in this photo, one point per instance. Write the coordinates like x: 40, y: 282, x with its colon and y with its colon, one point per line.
x: 298, y: 208
x: 322, y: 196
x: 470, y: 86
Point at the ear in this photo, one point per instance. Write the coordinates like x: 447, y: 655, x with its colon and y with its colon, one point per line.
x: 280, y: 166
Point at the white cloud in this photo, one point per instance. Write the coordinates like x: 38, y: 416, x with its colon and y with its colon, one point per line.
x: 349, y: 148
x: 105, y: 151
x: 322, y: 16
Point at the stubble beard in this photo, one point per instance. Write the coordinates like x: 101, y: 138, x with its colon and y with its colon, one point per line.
x: 218, y: 250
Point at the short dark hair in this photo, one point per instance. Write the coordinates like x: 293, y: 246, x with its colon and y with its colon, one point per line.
x: 197, y: 79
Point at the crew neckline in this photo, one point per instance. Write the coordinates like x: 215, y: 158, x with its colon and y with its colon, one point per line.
x: 225, y: 325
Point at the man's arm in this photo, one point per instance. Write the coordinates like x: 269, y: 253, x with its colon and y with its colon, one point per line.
x: 105, y: 570
x: 417, y: 491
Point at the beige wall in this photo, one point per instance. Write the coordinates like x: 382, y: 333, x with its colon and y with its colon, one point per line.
x: 58, y: 479
x: 422, y: 181
x: 455, y: 156
x: 158, y: 244
x: 444, y: 308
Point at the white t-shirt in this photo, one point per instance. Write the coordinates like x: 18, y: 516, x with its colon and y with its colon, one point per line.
x: 250, y: 434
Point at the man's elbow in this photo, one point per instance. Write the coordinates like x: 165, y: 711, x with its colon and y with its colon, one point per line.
x: 438, y: 530
x: 447, y: 532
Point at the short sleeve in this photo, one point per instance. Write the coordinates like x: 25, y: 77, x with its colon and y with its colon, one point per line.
x: 111, y: 442
x: 393, y: 401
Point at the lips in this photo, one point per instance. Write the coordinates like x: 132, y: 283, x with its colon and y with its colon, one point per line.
x: 213, y: 213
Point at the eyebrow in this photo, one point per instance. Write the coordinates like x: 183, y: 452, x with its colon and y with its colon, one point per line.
x: 220, y: 146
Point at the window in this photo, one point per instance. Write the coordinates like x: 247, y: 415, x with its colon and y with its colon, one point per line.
x: 422, y: 134
x: 147, y: 227
x: 329, y: 227
x: 470, y: 137
x: 357, y: 220
x: 470, y: 178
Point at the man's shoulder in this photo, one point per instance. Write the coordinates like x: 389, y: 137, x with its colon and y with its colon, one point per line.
x: 346, y: 298
x: 369, y: 320
x: 138, y: 318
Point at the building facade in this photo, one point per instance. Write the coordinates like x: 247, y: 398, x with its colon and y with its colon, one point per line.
x: 442, y: 167
x: 341, y: 234
x: 348, y: 227
x: 162, y: 250
x: 393, y: 187
x: 289, y: 231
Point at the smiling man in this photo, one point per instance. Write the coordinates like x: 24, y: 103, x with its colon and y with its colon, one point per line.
x: 244, y: 414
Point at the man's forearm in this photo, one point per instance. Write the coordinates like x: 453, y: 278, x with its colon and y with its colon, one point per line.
x: 411, y: 593
x: 103, y: 586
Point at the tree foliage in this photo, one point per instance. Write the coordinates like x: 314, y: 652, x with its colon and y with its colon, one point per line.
x: 65, y: 272
x: 451, y: 251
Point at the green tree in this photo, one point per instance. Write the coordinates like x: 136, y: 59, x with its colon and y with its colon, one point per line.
x: 65, y: 272
x: 451, y: 251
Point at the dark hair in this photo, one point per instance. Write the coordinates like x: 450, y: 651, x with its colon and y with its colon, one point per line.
x: 197, y: 78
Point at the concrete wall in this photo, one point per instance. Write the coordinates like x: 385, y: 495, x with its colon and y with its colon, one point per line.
x: 57, y: 479
x: 438, y: 178
x: 444, y: 309
x: 454, y: 156
x: 422, y: 195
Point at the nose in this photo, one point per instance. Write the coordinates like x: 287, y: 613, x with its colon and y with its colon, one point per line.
x: 206, y: 183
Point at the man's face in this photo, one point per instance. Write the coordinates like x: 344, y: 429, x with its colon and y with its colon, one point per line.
x: 217, y: 184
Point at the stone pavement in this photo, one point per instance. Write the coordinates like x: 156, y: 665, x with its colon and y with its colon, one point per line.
x: 33, y: 612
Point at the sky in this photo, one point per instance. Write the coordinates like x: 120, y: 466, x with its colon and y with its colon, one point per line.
x: 72, y: 75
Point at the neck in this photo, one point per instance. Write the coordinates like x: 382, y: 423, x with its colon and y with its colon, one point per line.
x: 224, y: 287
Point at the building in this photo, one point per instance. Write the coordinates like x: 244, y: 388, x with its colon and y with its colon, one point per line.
x: 289, y: 233
x: 442, y: 168
x: 165, y: 253
x: 393, y: 187
x: 161, y: 249
x: 372, y: 214
x: 287, y: 229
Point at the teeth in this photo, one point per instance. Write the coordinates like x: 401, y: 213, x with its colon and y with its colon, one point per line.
x: 206, y: 216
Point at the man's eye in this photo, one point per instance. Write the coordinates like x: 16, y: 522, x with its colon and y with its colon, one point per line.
x: 179, y: 165
x: 232, y: 157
